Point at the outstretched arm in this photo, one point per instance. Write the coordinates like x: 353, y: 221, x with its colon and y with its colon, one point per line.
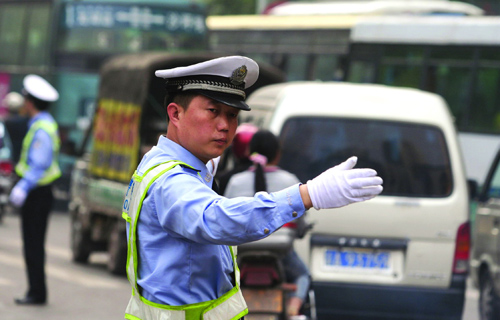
x: 340, y: 186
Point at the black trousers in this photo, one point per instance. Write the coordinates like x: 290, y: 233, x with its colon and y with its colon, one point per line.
x: 34, y: 216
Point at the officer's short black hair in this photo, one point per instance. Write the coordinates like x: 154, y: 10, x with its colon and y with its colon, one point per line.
x: 40, y: 105
x: 181, y: 98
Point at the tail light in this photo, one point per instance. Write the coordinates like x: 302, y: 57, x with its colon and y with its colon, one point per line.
x: 462, y: 249
x: 6, y: 168
x: 258, y: 275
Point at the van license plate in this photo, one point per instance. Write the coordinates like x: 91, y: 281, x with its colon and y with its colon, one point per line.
x: 358, y: 259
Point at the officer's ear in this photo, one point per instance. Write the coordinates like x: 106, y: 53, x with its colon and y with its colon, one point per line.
x: 173, y: 111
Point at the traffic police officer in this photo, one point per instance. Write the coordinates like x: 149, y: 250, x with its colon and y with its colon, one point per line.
x: 180, y: 232
x: 38, y: 168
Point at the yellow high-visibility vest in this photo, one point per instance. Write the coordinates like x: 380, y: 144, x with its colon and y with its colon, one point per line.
x: 53, y: 172
x: 229, y: 306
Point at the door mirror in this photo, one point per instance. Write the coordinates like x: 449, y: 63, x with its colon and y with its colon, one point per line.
x: 473, y: 188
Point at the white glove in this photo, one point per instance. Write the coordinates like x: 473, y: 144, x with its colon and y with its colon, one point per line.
x: 212, y: 165
x: 342, y: 185
x: 17, y: 196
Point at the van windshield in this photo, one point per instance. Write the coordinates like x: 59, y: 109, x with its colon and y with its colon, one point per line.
x: 412, y: 159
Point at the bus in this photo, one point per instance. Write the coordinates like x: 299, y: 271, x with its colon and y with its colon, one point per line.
x: 455, y: 57
x: 310, y: 40
x: 67, y: 41
x: 304, y: 47
x: 374, y: 7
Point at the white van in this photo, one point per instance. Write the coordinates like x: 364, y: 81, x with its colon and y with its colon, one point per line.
x: 403, y: 254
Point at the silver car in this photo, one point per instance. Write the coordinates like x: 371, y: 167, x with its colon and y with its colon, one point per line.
x: 485, y: 258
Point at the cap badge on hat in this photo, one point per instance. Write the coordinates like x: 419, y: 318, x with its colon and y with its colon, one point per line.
x: 238, y: 75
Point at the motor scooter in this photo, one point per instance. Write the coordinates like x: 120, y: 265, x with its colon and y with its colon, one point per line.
x: 7, y: 180
x: 263, y: 279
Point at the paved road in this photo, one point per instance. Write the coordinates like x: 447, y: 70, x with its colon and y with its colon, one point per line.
x: 77, y: 291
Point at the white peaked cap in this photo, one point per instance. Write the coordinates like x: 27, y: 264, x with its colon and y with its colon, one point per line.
x: 222, y: 79
x: 39, y: 88
x: 221, y: 67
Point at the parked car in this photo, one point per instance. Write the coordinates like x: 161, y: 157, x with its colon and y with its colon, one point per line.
x: 403, y: 254
x: 485, y: 254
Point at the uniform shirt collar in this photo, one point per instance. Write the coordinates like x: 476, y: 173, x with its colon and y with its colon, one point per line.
x: 177, y: 152
x: 39, y: 116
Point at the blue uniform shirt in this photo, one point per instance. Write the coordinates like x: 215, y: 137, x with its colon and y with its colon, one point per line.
x: 184, y: 229
x: 39, y: 155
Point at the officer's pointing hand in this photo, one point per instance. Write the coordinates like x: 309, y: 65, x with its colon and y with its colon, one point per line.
x: 342, y: 185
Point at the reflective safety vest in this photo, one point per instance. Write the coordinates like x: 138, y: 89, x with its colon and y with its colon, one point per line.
x: 51, y: 173
x: 231, y: 305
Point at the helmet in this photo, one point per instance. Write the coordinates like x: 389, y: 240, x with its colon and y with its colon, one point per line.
x: 13, y: 101
x: 241, y: 141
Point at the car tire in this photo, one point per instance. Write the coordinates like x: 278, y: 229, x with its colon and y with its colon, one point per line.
x: 489, y: 301
x: 117, y: 250
x: 80, y: 240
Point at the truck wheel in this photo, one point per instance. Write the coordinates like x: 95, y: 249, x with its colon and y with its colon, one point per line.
x: 489, y: 301
x: 117, y: 250
x: 80, y: 240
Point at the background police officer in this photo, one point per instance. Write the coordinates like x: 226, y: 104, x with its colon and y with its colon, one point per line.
x: 37, y: 168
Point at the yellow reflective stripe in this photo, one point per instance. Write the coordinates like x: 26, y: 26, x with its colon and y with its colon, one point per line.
x: 126, y: 217
x: 132, y: 243
x: 131, y: 317
x: 136, y: 218
x: 240, y: 315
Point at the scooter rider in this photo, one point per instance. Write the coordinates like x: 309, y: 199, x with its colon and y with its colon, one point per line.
x: 181, y: 265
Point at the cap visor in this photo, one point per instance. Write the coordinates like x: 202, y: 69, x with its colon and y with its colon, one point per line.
x: 230, y: 100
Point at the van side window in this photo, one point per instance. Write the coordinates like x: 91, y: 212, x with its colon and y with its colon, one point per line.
x: 412, y: 159
x: 494, y: 190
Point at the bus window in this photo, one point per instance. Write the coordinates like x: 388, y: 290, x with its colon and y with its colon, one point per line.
x: 453, y: 54
x: 12, y: 21
x: 400, y: 75
x: 487, y: 99
x: 401, y: 66
x: 37, y: 44
x: 453, y: 85
x: 404, y: 54
x: 326, y: 68
x: 297, y: 66
x: 361, y: 72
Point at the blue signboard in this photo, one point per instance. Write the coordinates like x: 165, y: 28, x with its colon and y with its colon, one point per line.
x: 144, y: 17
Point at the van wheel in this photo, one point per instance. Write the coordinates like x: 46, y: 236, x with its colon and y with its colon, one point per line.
x: 117, y: 250
x: 489, y: 301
